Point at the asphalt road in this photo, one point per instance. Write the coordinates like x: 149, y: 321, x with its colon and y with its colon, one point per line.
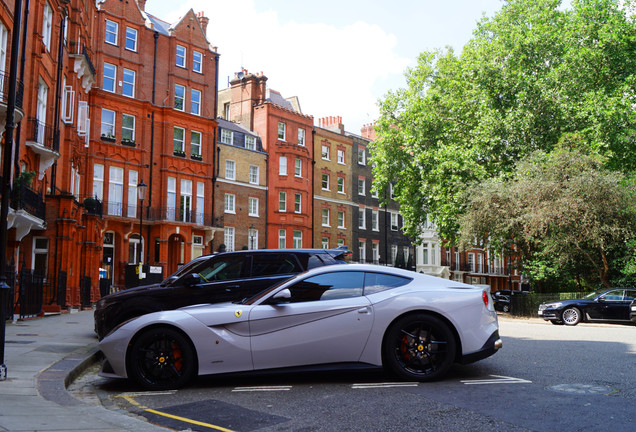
x: 545, y: 378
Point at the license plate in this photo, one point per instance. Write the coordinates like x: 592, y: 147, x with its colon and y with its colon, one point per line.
x: 634, y: 308
x: 541, y: 312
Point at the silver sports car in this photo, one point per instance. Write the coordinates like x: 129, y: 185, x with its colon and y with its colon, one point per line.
x: 414, y: 325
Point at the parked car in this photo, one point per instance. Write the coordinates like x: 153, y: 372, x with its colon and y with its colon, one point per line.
x: 413, y: 324
x: 221, y: 277
x: 609, y: 305
x: 502, y: 302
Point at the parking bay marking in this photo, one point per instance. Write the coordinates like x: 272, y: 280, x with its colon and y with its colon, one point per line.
x: 498, y: 379
x: 383, y: 385
x: 262, y: 388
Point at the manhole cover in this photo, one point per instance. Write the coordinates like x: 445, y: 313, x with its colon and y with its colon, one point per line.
x: 582, y: 389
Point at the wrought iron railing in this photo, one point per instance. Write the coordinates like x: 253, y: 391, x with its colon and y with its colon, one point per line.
x: 4, y: 90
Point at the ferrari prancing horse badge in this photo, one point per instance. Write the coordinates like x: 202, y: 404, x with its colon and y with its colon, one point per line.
x: 238, y: 313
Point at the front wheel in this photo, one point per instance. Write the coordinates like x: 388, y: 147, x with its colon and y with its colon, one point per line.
x: 419, y: 347
x: 162, y: 358
x: 571, y: 316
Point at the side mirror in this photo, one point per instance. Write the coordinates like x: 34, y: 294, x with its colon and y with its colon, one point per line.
x: 283, y: 296
x: 191, y: 280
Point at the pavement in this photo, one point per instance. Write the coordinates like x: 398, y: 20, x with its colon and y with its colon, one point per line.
x: 43, y: 357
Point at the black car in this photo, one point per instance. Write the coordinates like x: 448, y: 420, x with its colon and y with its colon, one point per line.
x: 611, y: 305
x: 501, y: 302
x: 632, y: 311
x: 221, y: 277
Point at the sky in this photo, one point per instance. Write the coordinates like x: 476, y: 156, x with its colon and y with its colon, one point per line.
x: 339, y: 57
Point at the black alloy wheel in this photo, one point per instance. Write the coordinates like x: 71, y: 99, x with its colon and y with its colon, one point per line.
x: 162, y: 358
x: 419, y: 347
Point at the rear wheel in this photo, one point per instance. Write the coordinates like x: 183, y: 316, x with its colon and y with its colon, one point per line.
x: 571, y: 316
x: 419, y: 347
x: 162, y: 358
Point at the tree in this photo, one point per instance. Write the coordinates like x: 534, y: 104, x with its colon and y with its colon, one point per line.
x: 530, y: 76
x: 561, y: 212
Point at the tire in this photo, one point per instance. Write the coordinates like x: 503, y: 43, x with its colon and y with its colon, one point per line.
x: 419, y: 347
x: 556, y: 322
x: 571, y: 316
x: 161, y: 358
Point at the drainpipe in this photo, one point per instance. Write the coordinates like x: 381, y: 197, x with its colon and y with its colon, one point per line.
x: 16, y: 162
x: 313, y: 184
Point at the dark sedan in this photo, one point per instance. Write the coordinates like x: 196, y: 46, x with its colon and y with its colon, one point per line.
x: 632, y: 313
x: 611, y: 305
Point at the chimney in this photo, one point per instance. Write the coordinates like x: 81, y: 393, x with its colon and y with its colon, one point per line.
x: 368, y: 131
x: 142, y: 5
x: 332, y: 123
x: 203, y: 20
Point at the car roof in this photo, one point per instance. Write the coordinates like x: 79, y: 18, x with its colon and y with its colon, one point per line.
x: 335, y: 252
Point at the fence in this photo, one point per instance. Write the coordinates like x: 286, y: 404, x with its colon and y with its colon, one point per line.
x: 527, y: 304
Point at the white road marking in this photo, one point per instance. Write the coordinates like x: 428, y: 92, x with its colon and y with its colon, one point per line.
x: 262, y: 388
x: 383, y: 385
x: 498, y: 379
x: 149, y: 393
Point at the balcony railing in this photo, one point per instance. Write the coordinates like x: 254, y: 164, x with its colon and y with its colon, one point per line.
x: 40, y: 133
x: 4, y: 90
x: 25, y: 198
x: 80, y: 49
x: 157, y: 214
x: 476, y: 268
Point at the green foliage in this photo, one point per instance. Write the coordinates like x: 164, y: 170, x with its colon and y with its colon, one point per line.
x: 565, y: 214
x: 533, y: 77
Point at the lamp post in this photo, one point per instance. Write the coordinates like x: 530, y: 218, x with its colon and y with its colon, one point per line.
x: 141, y: 194
x: 252, y: 236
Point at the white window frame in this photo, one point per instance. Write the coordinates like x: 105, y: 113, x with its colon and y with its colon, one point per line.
x: 114, y: 33
x: 341, y: 219
x: 181, y: 56
x: 325, y: 152
x: 171, y: 198
x: 178, y: 145
x: 324, y: 242
x: 298, y: 203
x: 131, y: 36
x: 133, y: 181
x: 227, y: 136
x: 128, y: 87
x: 282, y: 165
x: 228, y: 238
x: 195, y: 101
x: 68, y: 102
x: 195, y: 144
x: 109, y: 77
x: 301, y: 137
x: 341, y: 157
x: 324, y: 180
x: 185, y: 201
x: 324, y: 217
x: 394, y: 221
x: 362, y: 186
x: 229, y: 205
x: 341, y: 185
x: 362, y: 251
x: 298, y: 168
x: 115, y: 191
x: 362, y: 156
x: 230, y: 169
x: 40, y: 251
x: 362, y: 219
x: 282, y: 201
x: 197, y: 61
x: 250, y: 142
x: 252, y: 206
x: 282, y: 239
x: 254, y: 174
x: 375, y: 220
x: 98, y: 181
x: 108, y: 129
x: 4, y: 38
x: 297, y: 239
x: 282, y: 131
x: 252, y: 239
x: 200, y: 203
x: 179, y: 97
x: 130, y: 132
x: 47, y: 25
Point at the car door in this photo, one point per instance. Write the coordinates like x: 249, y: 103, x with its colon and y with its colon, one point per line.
x: 610, y: 307
x: 327, y: 320
x: 220, y: 278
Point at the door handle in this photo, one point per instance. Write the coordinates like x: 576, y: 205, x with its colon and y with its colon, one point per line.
x: 364, y: 310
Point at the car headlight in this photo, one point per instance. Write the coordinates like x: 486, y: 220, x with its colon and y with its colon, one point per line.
x: 553, y: 305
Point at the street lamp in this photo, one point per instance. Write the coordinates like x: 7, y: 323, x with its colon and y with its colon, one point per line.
x: 141, y: 194
x: 252, y: 236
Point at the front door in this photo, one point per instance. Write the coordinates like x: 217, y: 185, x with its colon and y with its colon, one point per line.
x: 327, y: 321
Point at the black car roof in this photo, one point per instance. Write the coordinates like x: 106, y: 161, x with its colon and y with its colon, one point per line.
x: 339, y: 252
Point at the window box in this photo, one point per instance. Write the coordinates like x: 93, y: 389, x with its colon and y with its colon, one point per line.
x: 196, y: 157
x: 179, y: 153
x: 108, y: 137
x: 128, y: 142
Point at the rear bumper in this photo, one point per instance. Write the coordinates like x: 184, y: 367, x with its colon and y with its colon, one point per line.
x: 492, y: 345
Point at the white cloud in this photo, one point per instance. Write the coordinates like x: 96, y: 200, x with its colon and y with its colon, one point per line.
x: 332, y: 69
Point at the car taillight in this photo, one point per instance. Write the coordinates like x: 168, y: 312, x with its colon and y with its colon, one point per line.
x: 485, y: 298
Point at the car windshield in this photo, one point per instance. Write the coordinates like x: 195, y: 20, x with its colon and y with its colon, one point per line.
x: 183, y: 270
x: 594, y: 294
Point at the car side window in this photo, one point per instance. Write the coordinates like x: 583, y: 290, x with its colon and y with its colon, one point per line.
x: 222, y: 268
x: 272, y: 264
x: 630, y: 295
x: 378, y: 282
x: 329, y: 286
x: 615, y: 295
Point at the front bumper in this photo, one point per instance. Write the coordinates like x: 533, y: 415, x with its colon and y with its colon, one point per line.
x: 492, y: 345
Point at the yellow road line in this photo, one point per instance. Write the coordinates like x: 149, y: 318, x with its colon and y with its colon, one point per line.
x: 174, y: 417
